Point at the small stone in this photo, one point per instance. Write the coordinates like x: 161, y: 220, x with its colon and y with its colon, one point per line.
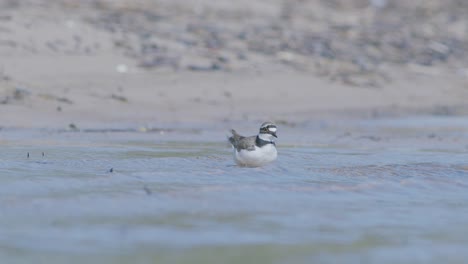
x: 121, y: 68
x: 147, y: 190
x: 120, y: 98
x: 73, y: 127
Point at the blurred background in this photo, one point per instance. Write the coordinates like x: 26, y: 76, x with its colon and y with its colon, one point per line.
x: 114, y: 116
x: 107, y: 62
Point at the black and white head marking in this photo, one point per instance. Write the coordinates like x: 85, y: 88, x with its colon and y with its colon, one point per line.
x: 268, y: 128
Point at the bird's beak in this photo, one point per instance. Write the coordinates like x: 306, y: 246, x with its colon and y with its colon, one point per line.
x: 274, y: 134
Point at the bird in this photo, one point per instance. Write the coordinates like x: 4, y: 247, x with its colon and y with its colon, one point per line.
x: 255, y: 151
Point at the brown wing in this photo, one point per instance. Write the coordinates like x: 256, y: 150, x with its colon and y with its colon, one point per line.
x: 240, y: 142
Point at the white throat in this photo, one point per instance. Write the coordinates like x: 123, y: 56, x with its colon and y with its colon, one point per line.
x: 266, y: 137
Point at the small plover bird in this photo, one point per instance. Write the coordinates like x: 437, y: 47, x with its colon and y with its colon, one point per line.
x: 255, y: 151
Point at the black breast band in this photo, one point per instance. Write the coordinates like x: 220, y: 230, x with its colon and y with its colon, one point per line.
x: 260, y: 142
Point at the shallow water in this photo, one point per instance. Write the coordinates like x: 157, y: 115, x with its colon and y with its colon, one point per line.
x: 385, y: 192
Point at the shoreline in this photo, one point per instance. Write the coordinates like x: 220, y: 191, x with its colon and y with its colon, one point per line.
x: 145, y: 98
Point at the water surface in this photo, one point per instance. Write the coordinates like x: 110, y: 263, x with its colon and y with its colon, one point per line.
x: 374, y: 193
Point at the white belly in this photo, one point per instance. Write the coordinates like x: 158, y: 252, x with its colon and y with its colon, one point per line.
x: 256, y: 158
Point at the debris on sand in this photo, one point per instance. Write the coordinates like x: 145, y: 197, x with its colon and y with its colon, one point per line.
x: 15, y: 95
x: 346, y: 41
x: 119, y: 98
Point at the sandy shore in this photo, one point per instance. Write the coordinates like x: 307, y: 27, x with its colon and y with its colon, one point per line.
x: 64, y: 63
